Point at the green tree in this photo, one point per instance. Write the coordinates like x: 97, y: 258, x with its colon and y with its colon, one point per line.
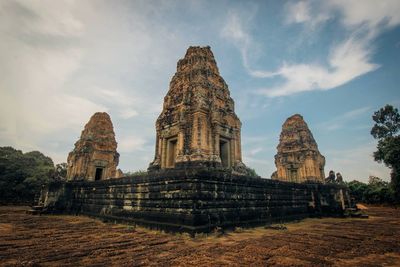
x: 357, y: 190
x: 386, y: 131
x: 378, y: 191
x: 22, y: 175
x: 252, y: 172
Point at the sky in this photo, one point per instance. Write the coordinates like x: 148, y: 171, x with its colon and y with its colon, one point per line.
x: 334, y: 62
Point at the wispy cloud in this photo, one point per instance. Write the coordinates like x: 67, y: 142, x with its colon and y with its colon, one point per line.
x: 384, y: 13
x: 302, y: 12
x: 236, y: 30
x: 63, y: 61
x: 356, y: 163
x: 298, y: 12
x: 344, y: 119
x: 348, y: 59
x: 131, y: 143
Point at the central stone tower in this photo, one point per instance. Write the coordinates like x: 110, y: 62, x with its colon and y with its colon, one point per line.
x: 198, y: 126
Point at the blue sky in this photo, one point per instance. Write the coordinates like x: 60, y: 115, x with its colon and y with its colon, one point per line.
x: 335, y: 62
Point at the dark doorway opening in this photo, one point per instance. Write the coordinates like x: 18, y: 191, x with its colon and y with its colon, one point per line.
x: 99, y: 174
x: 171, y: 153
x: 224, y: 152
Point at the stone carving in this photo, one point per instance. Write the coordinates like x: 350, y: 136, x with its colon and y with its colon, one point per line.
x: 198, y: 126
x: 298, y: 159
x: 331, y: 177
x: 95, y: 155
x: 339, y: 178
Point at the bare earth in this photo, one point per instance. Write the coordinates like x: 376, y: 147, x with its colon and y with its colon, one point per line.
x: 28, y: 240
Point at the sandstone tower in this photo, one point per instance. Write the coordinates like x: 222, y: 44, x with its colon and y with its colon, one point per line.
x: 95, y: 155
x: 198, y: 126
x: 298, y: 159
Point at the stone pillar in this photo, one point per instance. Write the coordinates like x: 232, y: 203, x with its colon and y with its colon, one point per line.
x: 216, y: 143
x: 164, y: 153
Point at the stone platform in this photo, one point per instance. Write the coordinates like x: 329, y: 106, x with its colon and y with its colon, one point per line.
x: 196, y: 200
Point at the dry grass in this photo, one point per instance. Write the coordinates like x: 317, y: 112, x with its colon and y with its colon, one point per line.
x: 27, y: 240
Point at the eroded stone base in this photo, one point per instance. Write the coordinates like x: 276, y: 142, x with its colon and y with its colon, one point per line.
x: 196, y: 200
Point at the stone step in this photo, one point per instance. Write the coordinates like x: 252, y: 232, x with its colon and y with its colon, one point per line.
x: 355, y: 213
x: 351, y: 209
x: 35, y: 210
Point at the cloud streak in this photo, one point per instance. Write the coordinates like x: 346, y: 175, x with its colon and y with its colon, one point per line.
x: 236, y: 31
x: 347, y: 60
x: 60, y: 63
x: 344, y: 119
x: 356, y: 163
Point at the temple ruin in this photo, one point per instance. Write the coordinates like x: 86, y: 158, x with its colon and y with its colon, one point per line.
x: 298, y: 159
x: 95, y: 155
x: 198, y: 125
x: 197, y: 181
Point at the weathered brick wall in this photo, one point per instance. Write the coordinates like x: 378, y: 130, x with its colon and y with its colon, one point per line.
x: 196, y: 201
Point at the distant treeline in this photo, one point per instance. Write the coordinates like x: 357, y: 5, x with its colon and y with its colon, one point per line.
x: 376, y: 191
x: 23, y: 174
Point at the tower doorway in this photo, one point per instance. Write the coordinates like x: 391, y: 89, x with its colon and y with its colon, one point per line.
x: 99, y: 174
x: 171, y: 152
x: 224, y: 152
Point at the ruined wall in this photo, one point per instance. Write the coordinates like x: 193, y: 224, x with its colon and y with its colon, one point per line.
x: 197, y: 201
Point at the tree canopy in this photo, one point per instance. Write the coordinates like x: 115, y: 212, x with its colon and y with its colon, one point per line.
x: 23, y: 174
x: 386, y: 131
x: 376, y: 191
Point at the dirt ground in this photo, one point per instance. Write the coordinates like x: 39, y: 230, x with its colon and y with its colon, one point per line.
x: 31, y: 240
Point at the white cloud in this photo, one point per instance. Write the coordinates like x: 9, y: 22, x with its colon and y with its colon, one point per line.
x: 306, y: 12
x: 32, y: 74
x: 353, y: 13
x: 120, y: 101
x: 62, y: 61
x: 372, y: 12
x: 298, y: 12
x: 234, y: 30
x: 348, y: 59
x: 130, y: 143
x: 53, y: 18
